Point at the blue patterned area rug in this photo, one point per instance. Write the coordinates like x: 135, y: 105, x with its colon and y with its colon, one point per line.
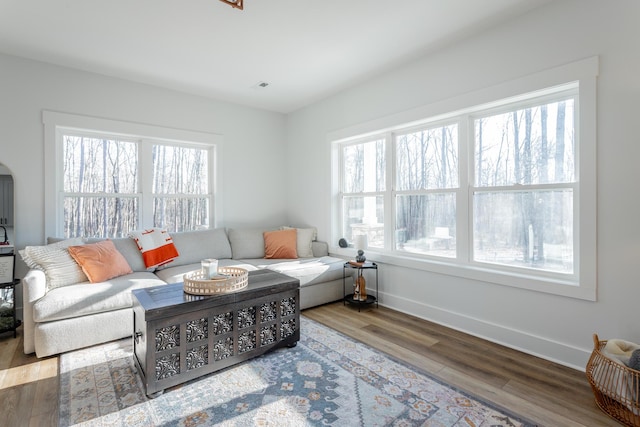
x: 327, y: 379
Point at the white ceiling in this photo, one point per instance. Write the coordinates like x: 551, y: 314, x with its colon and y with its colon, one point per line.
x: 305, y: 49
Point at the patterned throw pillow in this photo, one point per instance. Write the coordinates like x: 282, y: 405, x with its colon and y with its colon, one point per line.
x: 156, y: 246
x: 59, y: 267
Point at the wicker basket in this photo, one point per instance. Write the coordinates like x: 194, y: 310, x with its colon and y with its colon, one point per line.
x: 616, y: 387
x: 196, y: 284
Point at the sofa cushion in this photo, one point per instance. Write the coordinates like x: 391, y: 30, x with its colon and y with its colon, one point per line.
x: 280, y: 244
x: 194, y: 246
x: 320, y: 249
x: 246, y: 243
x: 59, y: 267
x: 308, y: 270
x: 100, y: 261
x: 90, y: 298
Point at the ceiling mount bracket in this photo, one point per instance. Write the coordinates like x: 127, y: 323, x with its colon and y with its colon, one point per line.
x: 236, y: 4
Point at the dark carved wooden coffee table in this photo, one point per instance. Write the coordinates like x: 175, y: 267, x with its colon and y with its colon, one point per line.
x: 178, y: 337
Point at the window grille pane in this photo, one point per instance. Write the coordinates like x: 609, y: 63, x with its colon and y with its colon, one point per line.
x: 100, y: 216
x: 534, y: 145
x: 364, y: 216
x: 99, y: 165
x: 426, y: 224
x: 532, y: 229
x: 364, y: 167
x: 180, y: 170
x: 181, y: 213
x: 427, y: 159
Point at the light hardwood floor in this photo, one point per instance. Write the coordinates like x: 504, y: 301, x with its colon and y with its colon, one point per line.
x: 542, y: 391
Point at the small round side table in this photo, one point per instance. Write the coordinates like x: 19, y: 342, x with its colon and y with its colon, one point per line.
x: 360, y: 268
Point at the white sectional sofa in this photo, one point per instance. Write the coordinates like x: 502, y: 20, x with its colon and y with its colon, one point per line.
x: 75, y: 315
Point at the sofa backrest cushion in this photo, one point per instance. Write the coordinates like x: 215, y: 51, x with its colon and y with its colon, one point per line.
x: 194, y: 246
x: 320, y: 249
x: 247, y: 243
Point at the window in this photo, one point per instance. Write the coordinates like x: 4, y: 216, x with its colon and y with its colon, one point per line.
x: 427, y: 183
x: 109, y: 183
x: 491, y: 192
x: 525, y: 185
x: 364, y: 183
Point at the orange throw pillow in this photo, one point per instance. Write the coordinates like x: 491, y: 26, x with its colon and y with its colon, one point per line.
x: 100, y: 261
x: 281, y: 244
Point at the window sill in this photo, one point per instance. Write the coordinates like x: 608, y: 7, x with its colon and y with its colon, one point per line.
x: 536, y: 283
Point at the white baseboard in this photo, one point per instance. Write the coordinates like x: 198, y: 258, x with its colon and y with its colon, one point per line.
x: 544, y: 348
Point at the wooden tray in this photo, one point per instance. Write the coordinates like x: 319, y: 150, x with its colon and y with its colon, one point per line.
x: 196, y: 284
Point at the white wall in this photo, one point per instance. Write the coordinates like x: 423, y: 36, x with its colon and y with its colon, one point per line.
x: 253, y: 148
x: 557, y: 328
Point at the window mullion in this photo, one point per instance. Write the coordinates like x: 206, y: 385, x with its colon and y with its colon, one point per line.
x: 389, y: 194
x: 145, y: 183
x: 464, y: 198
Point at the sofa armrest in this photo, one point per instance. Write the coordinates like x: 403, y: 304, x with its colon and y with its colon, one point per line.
x: 34, y: 287
x: 320, y: 249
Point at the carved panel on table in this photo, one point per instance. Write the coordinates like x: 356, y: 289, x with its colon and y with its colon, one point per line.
x: 223, y: 349
x: 268, y: 335
x: 268, y: 312
x: 287, y: 328
x: 246, y: 317
x: 222, y: 323
x: 167, y: 366
x: 197, y: 330
x: 288, y: 306
x: 167, y: 337
x: 246, y: 341
x: 197, y: 357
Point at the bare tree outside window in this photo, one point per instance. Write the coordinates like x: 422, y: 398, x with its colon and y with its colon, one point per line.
x: 102, y: 188
x: 523, y: 201
x: 364, y: 180
x: 493, y: 188
x: 426, y: 181
x: 180, y: 188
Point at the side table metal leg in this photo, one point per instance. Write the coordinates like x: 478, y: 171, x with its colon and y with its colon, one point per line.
x: 343, y: 286
x: 377, y: 294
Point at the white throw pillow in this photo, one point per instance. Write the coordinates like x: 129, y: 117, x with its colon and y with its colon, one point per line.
x: 59, y: 267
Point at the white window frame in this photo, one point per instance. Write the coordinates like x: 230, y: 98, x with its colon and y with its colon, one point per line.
x: 582, y: 284
x: 56, y: 124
